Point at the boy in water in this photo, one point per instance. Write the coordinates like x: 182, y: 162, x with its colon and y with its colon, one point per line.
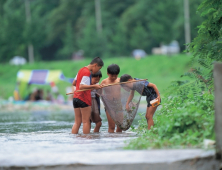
x: 95, y: 108
x: 82, y: 100
x: 95, y: 113
x: 112, y: 72
x: 150, y: 91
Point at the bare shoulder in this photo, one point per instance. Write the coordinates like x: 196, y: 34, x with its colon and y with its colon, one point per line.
x: 151, y: 85
x: 104, y: 81
x: 116, y: 81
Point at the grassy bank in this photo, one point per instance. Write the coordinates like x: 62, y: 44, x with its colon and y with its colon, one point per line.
x: 185, y: 118
x: 160, y: 70
x: 180, y: 123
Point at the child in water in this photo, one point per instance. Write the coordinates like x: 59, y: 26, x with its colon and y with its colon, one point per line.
x: 82, y: 100
x: 112, y: 72
x: 95, y: 112
x: 150, y: 91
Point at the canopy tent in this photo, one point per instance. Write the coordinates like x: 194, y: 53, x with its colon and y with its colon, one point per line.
x: 42, y: 77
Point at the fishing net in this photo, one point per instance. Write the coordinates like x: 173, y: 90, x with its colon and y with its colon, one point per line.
x: 115, y: 98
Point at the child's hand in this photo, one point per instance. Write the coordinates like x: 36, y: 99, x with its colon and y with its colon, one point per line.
x: 127, y: 107
x: 97, y: 86
x: 158, y: 98
x: 102, y: 85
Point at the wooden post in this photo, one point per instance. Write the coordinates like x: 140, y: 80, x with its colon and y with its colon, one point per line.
x: 28, y: 20
x: 187, y: 22
x: 218, y: 108
x: 98, y: 17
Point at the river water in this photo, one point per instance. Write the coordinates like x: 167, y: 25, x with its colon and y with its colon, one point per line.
x: 25, y: 133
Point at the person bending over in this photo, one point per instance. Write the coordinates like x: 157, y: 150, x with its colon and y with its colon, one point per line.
x: 150, y: 90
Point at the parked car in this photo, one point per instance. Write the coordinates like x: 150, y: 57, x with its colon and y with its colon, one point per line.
x: 139, y: 53
x: 18, y: 60
x: 172, y: 48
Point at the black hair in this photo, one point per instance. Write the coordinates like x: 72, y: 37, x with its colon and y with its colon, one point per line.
x: 113, y: 69
x: 98, y: 74
x: 98, y: 61
x: 125, y: 77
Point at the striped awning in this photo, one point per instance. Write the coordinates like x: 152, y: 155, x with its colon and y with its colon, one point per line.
x: 41, y: 76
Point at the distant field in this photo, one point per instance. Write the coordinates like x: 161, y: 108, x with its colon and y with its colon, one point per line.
x: 160, y: 70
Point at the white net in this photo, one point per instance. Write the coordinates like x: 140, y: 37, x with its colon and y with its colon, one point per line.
x: 116, y: 97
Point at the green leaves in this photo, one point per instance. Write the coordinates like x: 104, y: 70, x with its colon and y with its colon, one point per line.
x: 60, y: 27
x: 209, y: 31
x: 178, y: 124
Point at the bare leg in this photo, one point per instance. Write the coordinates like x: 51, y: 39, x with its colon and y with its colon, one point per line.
x: 97, y: 127
x: 118, y: 129
x: 120, y: 120
x: 149, y: 115
x: 78, y: 121
x: 111, y: 123
x: 86, y: 113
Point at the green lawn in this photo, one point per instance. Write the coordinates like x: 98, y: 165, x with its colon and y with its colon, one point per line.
x: 160, y: 70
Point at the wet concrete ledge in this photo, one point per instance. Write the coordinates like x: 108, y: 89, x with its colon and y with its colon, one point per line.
x: 194, y: 159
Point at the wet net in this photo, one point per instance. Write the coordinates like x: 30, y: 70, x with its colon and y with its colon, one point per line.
x: 121, y: 101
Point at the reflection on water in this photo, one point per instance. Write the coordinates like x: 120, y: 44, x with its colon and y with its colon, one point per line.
x: 50, y: 132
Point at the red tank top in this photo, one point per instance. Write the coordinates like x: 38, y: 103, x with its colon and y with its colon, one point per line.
x: 85, y: 96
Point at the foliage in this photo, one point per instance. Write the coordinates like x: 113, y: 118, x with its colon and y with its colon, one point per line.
x: 59, y: 28
x: 180, y: 123
x: 187, y: 116
x: 68, y: 42
x: 207, y: 44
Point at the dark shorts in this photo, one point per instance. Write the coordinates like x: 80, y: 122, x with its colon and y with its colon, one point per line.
x: 77, y: 103
x: 151, y: 97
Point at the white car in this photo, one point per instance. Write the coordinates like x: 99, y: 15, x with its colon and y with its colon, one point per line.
x: 17, y: 60
x: 172, y: 48
x: 139, y: 53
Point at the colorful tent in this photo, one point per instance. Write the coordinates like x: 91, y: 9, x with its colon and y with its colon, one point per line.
x: 43, y: 77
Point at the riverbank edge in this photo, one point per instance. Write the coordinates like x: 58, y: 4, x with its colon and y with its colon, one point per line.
x: 152, y: 159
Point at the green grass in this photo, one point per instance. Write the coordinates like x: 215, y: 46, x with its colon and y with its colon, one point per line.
x: 160, y: 70
x: 182, y: 122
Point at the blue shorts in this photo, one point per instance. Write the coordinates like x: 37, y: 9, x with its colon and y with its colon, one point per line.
x: 77, y: 103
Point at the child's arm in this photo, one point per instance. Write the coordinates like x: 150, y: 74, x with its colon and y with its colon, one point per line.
x: 129, y: 100
x: 103, y: 82
x: 99, y: 92
x: 84, y: 86
x: 73, y: 85
x: 155, y: 89
x: 74, y: 82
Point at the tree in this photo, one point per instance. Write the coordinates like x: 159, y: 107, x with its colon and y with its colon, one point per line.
x: 155, y: 19
x: 117, y: 43
x: 60, y: 26
x: 208, y: 43
x: 12, y: 25
x: 206, y: 47
x: 140, y: 38
x: 68, y: 43
x: 89, y: 41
